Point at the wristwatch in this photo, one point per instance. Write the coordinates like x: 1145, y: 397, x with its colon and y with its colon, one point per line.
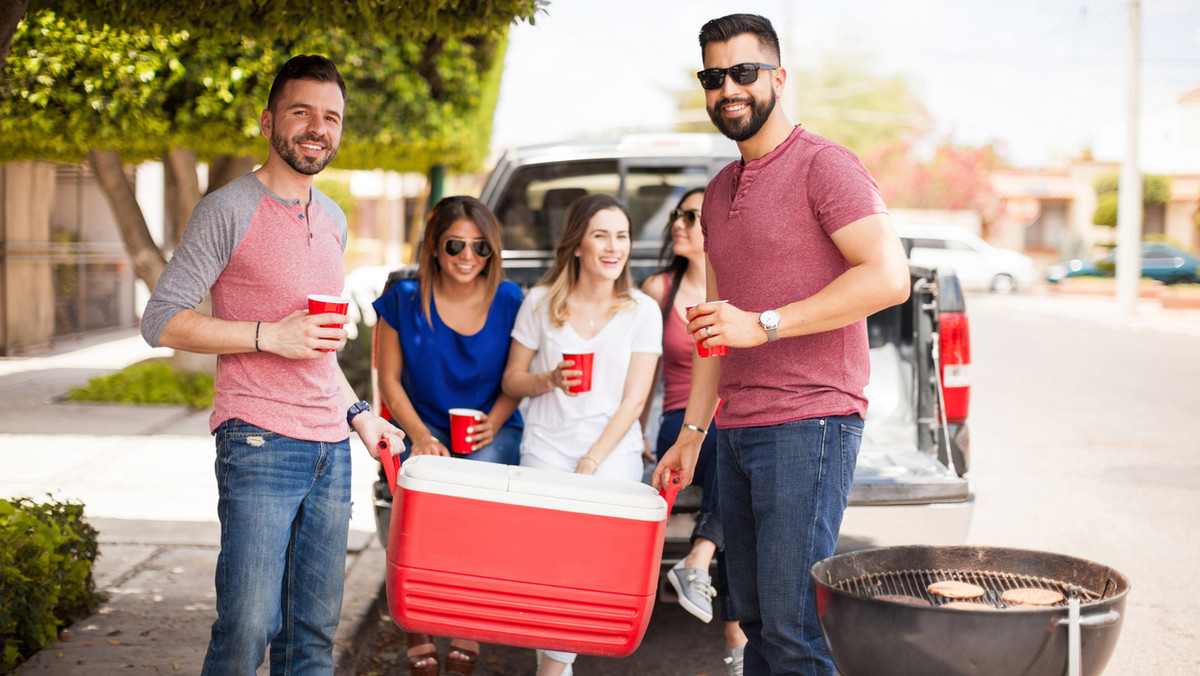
x: 360, y: 407
x: 769, y: 320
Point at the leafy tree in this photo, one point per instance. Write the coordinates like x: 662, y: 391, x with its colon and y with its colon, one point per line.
x: 956, y: 177
x: 859, y: 111
x: 1156, y: 190
x: 78, y: 89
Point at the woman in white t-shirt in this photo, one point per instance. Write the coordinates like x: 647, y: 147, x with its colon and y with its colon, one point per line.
x: 586, y: 303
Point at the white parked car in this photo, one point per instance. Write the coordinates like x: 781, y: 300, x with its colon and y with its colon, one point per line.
x: 979, y: 265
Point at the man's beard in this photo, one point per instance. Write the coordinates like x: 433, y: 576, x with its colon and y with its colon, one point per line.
x: 292, y: 156
x: 739, y: 130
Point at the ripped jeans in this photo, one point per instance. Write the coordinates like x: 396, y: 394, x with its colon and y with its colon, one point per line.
x: 284, y: 506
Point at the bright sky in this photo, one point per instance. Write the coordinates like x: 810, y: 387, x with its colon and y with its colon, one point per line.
x: 1046, y: 78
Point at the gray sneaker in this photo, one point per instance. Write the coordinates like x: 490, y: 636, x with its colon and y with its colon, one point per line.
x: 695, y: 590
x: 733, y: 660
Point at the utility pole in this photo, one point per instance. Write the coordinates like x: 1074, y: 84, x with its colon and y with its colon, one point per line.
x: 1129, y: 190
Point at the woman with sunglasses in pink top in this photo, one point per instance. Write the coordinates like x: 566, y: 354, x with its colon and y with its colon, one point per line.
x: 443, y: 343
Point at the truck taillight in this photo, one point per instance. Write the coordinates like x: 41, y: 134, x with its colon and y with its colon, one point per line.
x: 955, y: 355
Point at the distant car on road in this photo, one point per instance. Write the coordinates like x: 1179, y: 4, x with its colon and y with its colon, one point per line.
x: 1165, y: 262
x: 980, y: 266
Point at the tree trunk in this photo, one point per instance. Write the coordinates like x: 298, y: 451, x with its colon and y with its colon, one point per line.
x: 11, y: 13
x: 148, y: 260
x: 225, y: 168
x: 182, y: 189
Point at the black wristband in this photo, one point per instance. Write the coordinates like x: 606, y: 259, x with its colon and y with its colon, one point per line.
x: 256, y: 328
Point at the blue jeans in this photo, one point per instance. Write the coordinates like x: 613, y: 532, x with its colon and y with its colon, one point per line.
x: 505, y: 447
x: 284, y: 506
x: 784, y: 490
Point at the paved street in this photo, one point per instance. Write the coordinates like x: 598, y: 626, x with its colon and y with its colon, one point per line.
x: 1084, y: 440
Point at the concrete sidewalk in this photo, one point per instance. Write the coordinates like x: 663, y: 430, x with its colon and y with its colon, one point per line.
x: 145, y: 475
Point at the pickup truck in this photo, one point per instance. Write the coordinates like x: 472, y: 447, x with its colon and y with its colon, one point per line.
x: 909, y: 485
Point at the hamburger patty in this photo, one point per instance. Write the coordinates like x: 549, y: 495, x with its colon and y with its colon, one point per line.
x: 955, y: 589
x: 1032, y: 597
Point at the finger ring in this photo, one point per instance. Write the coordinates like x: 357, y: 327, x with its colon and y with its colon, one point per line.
x: 708, y: 331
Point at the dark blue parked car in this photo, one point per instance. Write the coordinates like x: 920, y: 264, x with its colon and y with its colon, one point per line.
x: 1165, y: 262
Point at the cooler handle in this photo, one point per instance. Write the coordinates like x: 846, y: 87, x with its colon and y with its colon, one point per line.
x: 670, y: 489
x: 391, y: 463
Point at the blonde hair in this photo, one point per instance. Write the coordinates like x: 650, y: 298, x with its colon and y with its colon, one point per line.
x: 446, y: 213
x: 564, y: 275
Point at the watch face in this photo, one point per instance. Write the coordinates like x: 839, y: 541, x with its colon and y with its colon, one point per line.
x: 769, y: 319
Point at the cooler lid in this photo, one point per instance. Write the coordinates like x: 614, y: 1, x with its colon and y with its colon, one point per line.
x: 532, y: 487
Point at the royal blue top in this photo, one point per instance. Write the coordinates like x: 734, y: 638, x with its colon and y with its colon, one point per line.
x: 443, y: 369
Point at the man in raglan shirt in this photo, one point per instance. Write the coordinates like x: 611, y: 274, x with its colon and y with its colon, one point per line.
x: 283, y: 410
x: 799, y: 243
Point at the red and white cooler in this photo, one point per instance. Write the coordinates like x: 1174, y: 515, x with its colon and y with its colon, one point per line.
x: 524, y: 557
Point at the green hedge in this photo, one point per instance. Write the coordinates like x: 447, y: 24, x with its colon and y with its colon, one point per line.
x: 149, y: 382
x: 46, y: 556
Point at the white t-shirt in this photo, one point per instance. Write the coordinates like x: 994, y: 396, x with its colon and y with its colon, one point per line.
x: 559, y: 429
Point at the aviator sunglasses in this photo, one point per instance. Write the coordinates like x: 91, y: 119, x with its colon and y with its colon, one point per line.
x: 743, y: 74
x: 480, y: 246
x: 689, y: 216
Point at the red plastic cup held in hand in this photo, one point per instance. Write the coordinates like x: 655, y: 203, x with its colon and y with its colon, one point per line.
x: 582, y: 362
x: 461, y: 419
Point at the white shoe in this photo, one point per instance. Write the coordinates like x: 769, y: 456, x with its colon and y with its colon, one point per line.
x: 734, y: 658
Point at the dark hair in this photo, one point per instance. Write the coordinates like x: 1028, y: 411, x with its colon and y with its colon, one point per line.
x: 729, y: 27
x: 444, y: 214
x: 563, y: 276
x: 305, y: 67
x: 673, y: 266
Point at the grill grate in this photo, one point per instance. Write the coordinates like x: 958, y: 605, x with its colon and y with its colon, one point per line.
x: 916, y: 583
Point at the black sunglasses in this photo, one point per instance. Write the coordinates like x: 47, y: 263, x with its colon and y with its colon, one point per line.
x: 743, y: 74
x: 690, y: 216
x: 480, y: 246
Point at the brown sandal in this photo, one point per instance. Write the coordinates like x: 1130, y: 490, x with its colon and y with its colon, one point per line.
x: 416, y: 641
x: 458, y: 666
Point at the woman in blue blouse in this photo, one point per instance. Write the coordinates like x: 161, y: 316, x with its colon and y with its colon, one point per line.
x: 443, y: 343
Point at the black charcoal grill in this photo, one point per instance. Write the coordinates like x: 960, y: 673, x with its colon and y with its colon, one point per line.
x: 871, y: 636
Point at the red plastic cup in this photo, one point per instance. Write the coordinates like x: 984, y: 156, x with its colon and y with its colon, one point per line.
x: 582, y: 362
x: 460, y: 420
x: 319, y: 305
x: 714, y: 351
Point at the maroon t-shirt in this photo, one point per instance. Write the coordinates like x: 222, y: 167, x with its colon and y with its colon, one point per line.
x: 767, y: 226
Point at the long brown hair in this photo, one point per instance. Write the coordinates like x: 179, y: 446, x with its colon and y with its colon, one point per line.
x: 563, y: 277
x: 673, y: 265
x: 446, y: 213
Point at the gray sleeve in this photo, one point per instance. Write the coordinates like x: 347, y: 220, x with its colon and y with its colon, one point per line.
x: 335, y: 212
x: 213, y: 232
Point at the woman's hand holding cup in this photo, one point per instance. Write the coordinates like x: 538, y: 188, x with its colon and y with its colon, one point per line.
x: 565, y: 376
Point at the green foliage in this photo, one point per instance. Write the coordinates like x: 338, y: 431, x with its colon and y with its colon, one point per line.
x: 46, y: 579
x: 857, y: 110
x: 71, y: 86
x: 1106, y: 210
x: 293, y: 20
x: 149, y: 382
x: 1155, y: 190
